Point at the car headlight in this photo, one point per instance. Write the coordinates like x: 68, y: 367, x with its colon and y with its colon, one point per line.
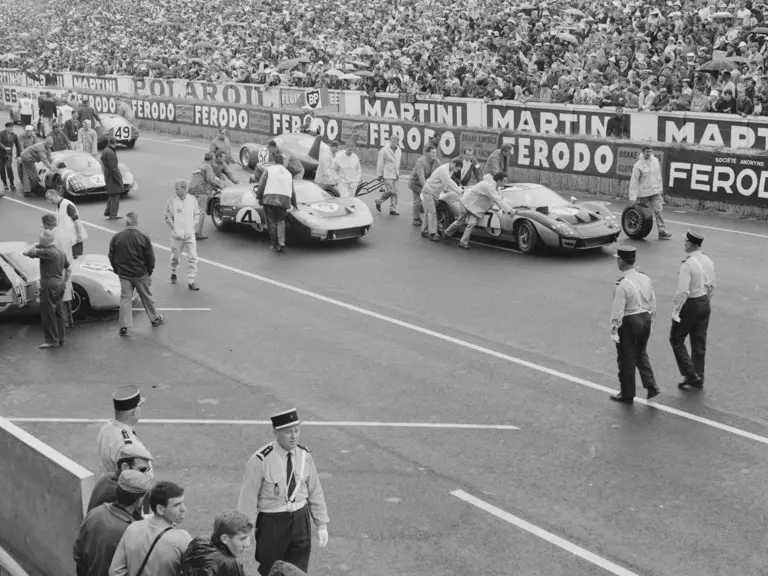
x: 564, y: 229
x: 127, y: 178
x: 318, y: 233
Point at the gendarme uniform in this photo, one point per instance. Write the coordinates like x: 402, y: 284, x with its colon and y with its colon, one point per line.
x: 634, y: 305
x: 691, y: 311
x: 281, y: 490
x: 114, y: 435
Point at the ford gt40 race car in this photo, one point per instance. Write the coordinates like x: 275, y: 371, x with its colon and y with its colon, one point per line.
x: 112, y: 125
x: 304, y: 147
x: 320, y: 216
x: 94, y: 285
x: 78, y: 174
x: 541, y: 217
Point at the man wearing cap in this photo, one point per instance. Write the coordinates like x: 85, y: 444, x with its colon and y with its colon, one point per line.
x: 130, y: 457
x: 634, y: 306
x: 118, y: 432
x: 280, y: 479
x: 691, y: 311
x: 104, y: 526
x: 646, y: 187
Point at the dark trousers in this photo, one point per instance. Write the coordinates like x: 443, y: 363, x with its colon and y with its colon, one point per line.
x: 694, y: 321
x: 630, y: 353
x: 77, y: 249
x: 6, y: 170
x: 276, y: 224
x: 53, y: 315
x: 285, y: 536
x: 113, y: 205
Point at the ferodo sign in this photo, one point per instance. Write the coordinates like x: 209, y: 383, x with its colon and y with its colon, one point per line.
x: 154, y: 110
x: 330, y: 128
x: 221, y: 117
x: 571, y: 156
x: 412, y: 137
x: 105, y: 104
x: 726, y: 177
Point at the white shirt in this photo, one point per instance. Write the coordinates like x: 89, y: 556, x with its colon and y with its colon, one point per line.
x: 388, y: 165
x: 26, y: 106
x: 440, y: 181
x: 66, y: 112
x: 696, y: 278
x: 181, y: 216
x: 348, y: 172
x: 112, y: 437
x: 324, y: 174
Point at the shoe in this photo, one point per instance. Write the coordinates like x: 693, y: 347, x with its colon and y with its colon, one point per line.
x: 281, y: 249
x: 697, y: 383
x: 653, y: 392
x: 160, y: 319
x: 664, y: 235
x: 273, y: 248
x: 201, y: 237
x: 425, y: 234
x: 463, y: 246
x: 173, y: 278
x: 47, y: 345
x: 193, y: 286
x: 417, y: 222
x: 435, y: 238
x: 115, y: 217
x: 123, y: 331
x: 394, y: 213
x: 378, y: 205
x: 620, y: 398
x: 13, y: 188
x: 5, y: 188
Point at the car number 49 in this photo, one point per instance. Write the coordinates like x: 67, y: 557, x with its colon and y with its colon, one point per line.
x: 123, y: 133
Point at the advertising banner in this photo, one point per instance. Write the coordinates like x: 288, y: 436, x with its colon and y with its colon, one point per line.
x: 481, y: 143
x: 156, y: 110
x: 450, y: 113
x: 580, y: 121
x: 220, y: 117
x: 718, y: 131
x: 242, y: 94
x: 719, y: 176
x: 105, y: 84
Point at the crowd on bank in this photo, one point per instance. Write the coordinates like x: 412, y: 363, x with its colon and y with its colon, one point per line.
x: 645, y: 54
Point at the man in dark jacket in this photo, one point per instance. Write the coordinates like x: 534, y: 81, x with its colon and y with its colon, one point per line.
x: 54, y: 275
x: 113, y: 179
x: 87, y: 112
x: 203, y: 185
x: 48, y: 113
x: 30, y: 156
x: 8, y: 141
x: 276, y: 194
x: 133, y: 260
x: 72, y: 126
x: 130, y: 457
x: 60, y: 140
x: 218, y: 555
x: 104, y: 526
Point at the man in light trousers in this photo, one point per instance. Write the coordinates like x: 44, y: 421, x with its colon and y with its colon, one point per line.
x: 440, y: 181
x: 388, y: 171
x: 182, y: 214
x: 475, y: 203
x: 647, y: 188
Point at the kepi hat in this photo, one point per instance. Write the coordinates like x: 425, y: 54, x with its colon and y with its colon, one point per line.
x: 127, y: 398
x: 694, y: 238
x: 626, y: 253
x: 285, y: 419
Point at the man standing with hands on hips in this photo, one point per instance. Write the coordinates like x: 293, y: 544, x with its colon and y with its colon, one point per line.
x: 634, y: 306
x: 646, y: 186
x: 388, y: 171
x: 281, y: 491
x: 690, y: 315
x: 181, y: 214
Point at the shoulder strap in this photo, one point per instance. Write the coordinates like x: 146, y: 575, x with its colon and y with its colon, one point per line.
x: 146, y: 558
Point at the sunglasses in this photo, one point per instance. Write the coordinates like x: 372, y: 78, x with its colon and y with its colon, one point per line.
x: 143, y: 469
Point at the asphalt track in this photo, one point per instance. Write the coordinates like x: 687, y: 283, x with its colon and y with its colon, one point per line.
x: 395, y: 329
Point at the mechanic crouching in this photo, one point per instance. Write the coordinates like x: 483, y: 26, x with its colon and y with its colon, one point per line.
x: 40, y: 152
x: 276, y: 194
x: 475, y: 203
x: 203, y: 186
x: 293, y: 164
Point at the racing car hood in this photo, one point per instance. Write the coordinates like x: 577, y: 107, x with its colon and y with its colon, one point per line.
x: 573, y: 214
x: 334, y: 212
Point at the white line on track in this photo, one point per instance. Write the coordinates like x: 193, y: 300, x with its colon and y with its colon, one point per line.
x: 570, y: 547
x: 177, y: 309
x: 268, y: 422
x: 444, y: 337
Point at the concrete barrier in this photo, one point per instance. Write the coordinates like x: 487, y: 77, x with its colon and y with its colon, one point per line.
x: 43, y: 499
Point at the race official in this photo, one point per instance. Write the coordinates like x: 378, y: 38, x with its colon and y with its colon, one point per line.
x: 498, y: 160
x: 388, y: 171
x: 63, y: 242
x: 113, y: 179
x: 8, y: 142
x: 440, y: 181
x: 281, y: 491
x: 475, y: 203
x: 60, y: 140
x: 203, y: 185
x: 118, y: 432
x: 324, y: 176
x: 222, y: 144
x: 691, y: 311
x: 181, y: 215
x: 87, y: 139
x: 646, y: 187
x: 347, y: 171
x: 68, y: 220
x: 276, y: 194
x: 470, y: 168
x: 293, y: 164
x: 421, y: 172
x: 634, y: 306
x: 40, y: 152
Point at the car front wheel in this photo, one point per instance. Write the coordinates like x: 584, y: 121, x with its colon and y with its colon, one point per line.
x: 219, y: 222
x: 245, y: 157
x: 81, y: 305
x: 444, y: 217
x: 527, y: 237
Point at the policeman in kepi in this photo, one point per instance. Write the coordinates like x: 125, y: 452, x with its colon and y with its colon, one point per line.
x: 281, y: 491
x: 634, y: 306
x: 690, y: 315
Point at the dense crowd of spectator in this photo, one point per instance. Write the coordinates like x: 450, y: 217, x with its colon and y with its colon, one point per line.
x: 644, y: 55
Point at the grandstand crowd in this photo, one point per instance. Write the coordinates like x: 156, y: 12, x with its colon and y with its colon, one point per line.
x: 644, y: 55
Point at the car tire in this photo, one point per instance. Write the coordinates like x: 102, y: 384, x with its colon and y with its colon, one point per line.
x: 444, y: 217
x: 527, y: 237
x: 245, y: 157
x: 131, y: 144
x: 637, y: 221
x: 216, y: 217
x: 81, y: 304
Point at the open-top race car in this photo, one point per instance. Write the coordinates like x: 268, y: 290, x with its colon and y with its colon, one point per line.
x: 540, y: 217
x: 94, y: 285
x: 78, y: 174
x: 112, y: 125
x: 320, y: 215
x: 303, y: 146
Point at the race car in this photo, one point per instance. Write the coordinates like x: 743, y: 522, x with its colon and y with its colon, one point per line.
x: 320, y: 216
x: 540, y: 217
x: 303, y: 146
x: 94, y: 285
x: 112, y: 125
x: 77, y: 174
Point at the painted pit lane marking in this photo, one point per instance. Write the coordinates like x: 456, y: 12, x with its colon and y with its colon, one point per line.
x: 177, y: 309
x: 444, y: 337
x: 207, y: 422
x: 570, y: 547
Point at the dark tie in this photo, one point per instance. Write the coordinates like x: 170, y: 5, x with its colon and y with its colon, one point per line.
x: 291, y: 478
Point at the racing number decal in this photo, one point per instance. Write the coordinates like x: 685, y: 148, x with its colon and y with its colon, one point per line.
x: 249, y: 216
x: 123, y: 133
x: 492, y: 224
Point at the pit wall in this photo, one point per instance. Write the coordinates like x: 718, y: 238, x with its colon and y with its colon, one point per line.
x: 563, y: 147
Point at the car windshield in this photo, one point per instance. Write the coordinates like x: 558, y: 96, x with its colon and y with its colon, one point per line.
x: 308, y: 194
x: 78, y: 163
x: 534, y: 197
x: 24, y: 265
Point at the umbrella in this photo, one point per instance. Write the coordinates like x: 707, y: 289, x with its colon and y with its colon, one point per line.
x: 196, y: 61
x: 723, y: 15
x: 674, y: 14
x: 349, y: 77
x: 568, y: 38
x: 359, y: 63
x: 204, y: 44
x: 737, y: 59
x: 366, y: 73
x: 233, y: 23
x: 717, y: 66
x: 8, y: 57
x: 158, y: 66
x: 297, y: 74
x: 363, y: 51
x: 304, y: 60
x: 333, y: 72
x: 287, y: 64
x: 760, y: 30
x: 574, y: 12
x: 527, y: 6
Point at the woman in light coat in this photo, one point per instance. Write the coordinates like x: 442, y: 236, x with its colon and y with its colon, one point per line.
x: 87, y: 138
